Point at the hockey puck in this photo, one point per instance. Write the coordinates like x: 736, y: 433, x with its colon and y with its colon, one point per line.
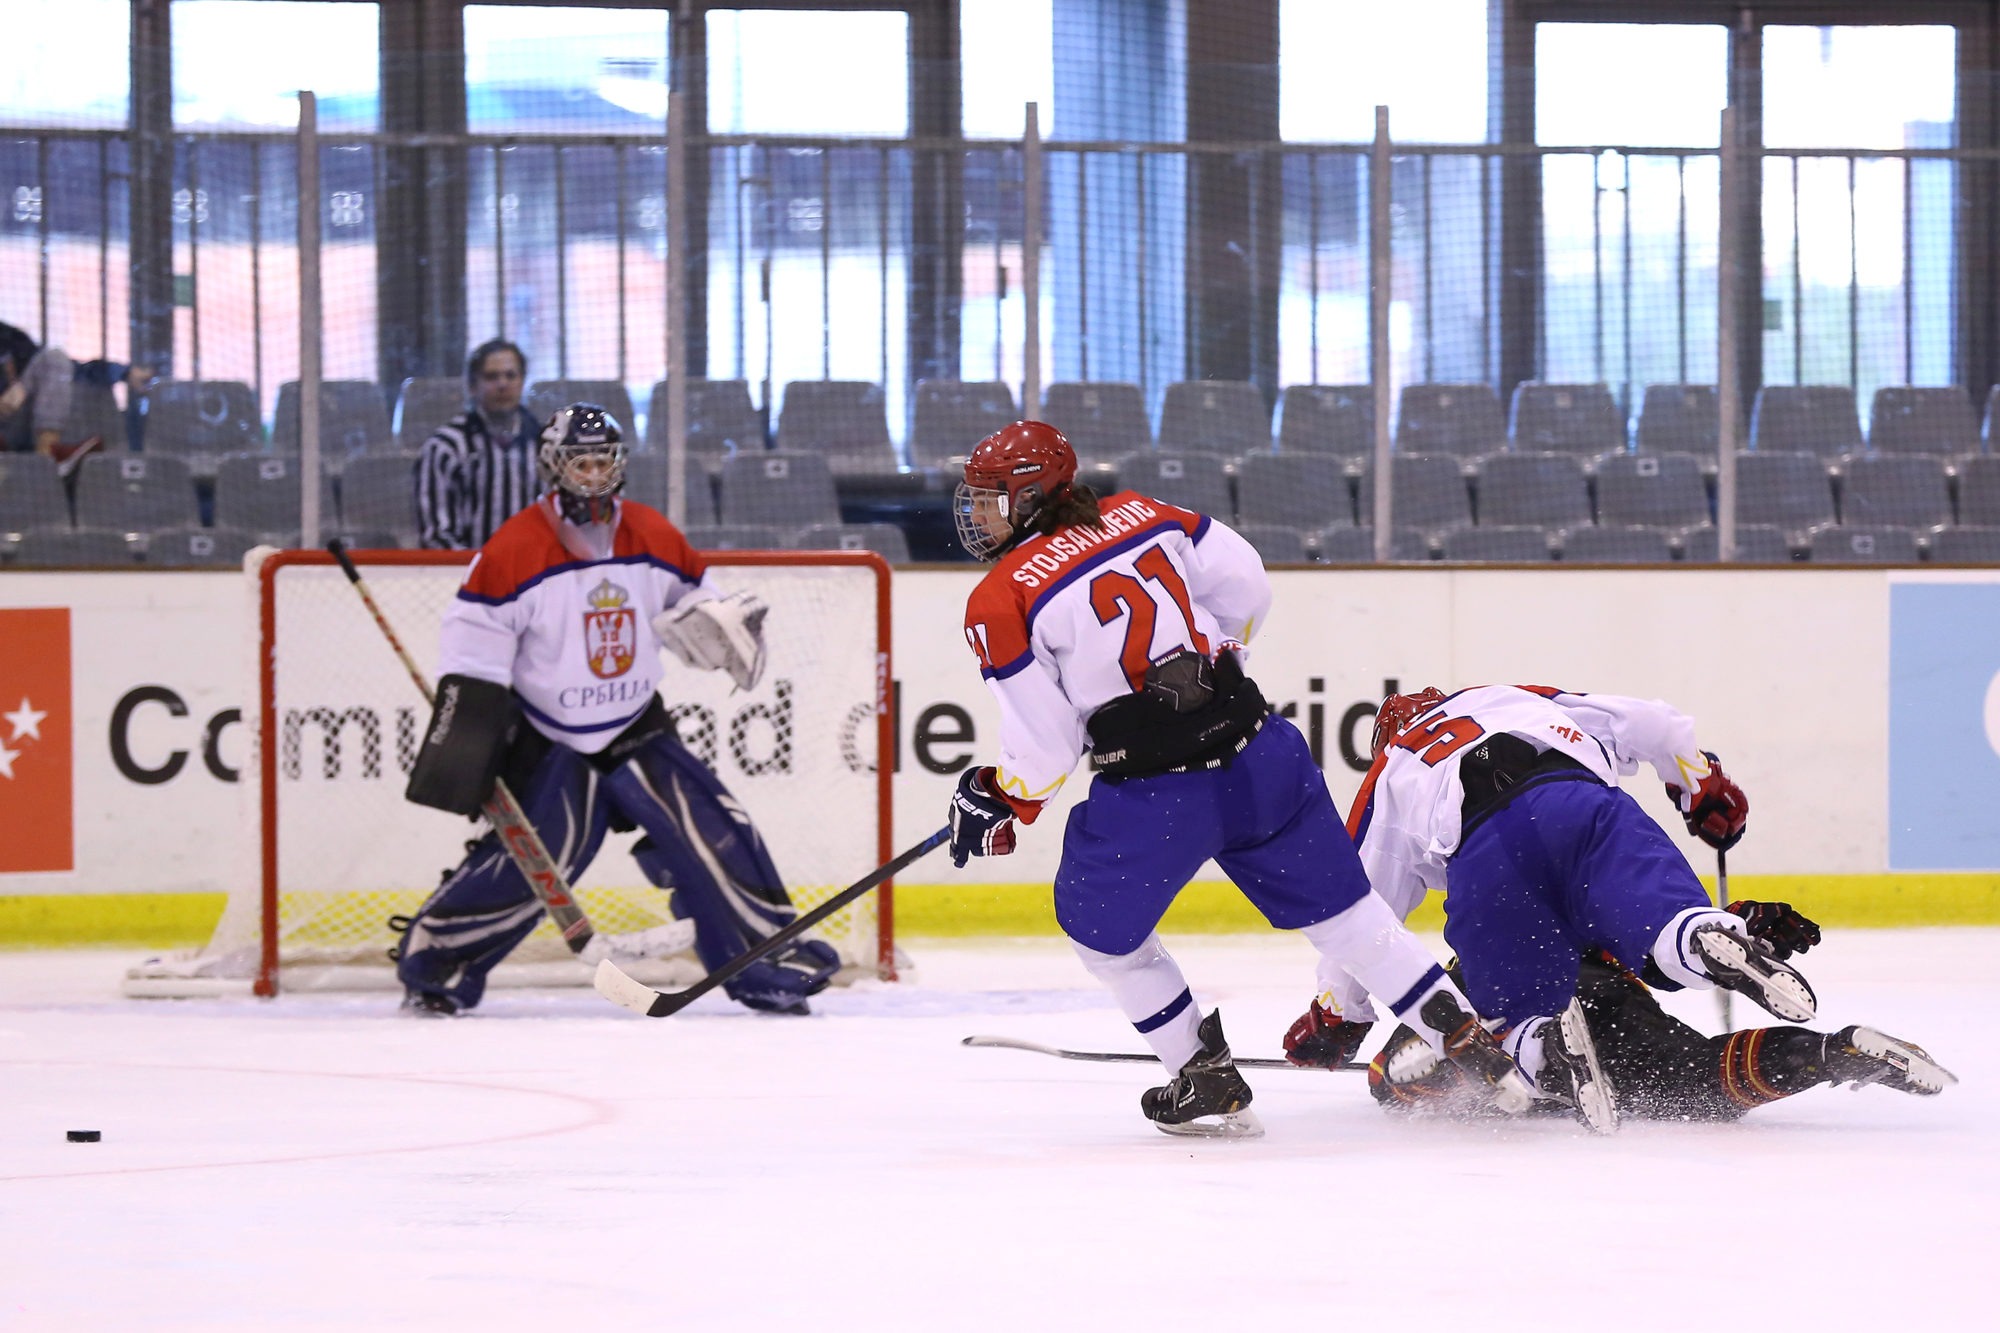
x: 85, y: 1135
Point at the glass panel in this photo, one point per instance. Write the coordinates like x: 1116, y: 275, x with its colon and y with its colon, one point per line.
x: 1338, y: 59
x: 56, y: 72
x: 1857, y: 87
x: 225, y: 78
x: 1009, y: 60
x: 808, y: 72
x: 550, y: 69
x: 1653, y: 84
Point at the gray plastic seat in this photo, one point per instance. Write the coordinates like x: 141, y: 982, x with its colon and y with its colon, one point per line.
x: 781, y: 490
x: 1987, y: 424
x: 1226, y: 417
x: 1756, y: 544
x: 647, y: 478
x: 197, y: 546
x: 1809, y: 418
x: 1305, y: 491
x: 1192, y: 481
x: 380, y: 494
x: 1904, y: 419
x: 134, y: 493
x: 31, y: 495
x: 1524, y: 545
x: 1979, y: 491
x: 1965, y: 546
x: 1876, y: 544
x: 202, y: 419
x: 1908, y: 490
x: 1462, y: 419
x: 1679, y: 418
x: 885, y: 539
x: 1100, y: 418
x: 845, y: 422
x: 1346, y: 545
x: 1276, y: 543
x: 736, y: 537
x: 949, y: 417
x: 1785, y: 490
x: 1337, y: 419
x: 1545, y: 490
x: 547, y: 397
x: 1565, y: 419
x: 54, y: 546
x: 352, y: 420
x: 1664, y: 490
x: 1621, y: 545
x: 1429, y: 493
x: 721, y: 420
x: 260, y: 493
x: 94, y: 410
x: 423, y: 404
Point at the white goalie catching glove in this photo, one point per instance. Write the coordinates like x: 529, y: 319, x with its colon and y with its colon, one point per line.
x: 718, y: 634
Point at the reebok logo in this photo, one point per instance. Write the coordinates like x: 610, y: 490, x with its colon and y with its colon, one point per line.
x: 37, y: 794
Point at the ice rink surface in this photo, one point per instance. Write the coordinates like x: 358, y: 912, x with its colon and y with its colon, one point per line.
x: 324, y: 1162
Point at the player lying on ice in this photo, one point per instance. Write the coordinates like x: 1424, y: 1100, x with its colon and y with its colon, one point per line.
x: 559, y: 624
x: 1117, y: 627
x: 1506, y: 798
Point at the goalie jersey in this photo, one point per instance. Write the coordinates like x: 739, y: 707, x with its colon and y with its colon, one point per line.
x: 1406, y: 818
x: 564, y: 615
x: 1065, y: 623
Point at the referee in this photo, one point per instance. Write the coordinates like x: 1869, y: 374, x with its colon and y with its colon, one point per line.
x: 478, y: 469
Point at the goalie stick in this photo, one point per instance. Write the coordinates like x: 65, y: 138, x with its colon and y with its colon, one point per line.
x: 1139, y: 1058
x: 614, y: 985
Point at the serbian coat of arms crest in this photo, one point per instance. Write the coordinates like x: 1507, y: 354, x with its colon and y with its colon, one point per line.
x: 610, y: 631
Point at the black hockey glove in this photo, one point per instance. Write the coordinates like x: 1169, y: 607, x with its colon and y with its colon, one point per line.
x: 1780, y: 925
x: 982, y: 823
x: 1321, y: 1039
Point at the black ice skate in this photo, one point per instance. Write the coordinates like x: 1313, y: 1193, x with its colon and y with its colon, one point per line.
x: 1471, y: 1047
x: 1861, y: 1055
x: 429, y: 1004
x: 1208, y: 1097
x: 1571, y: 1072
x: 1748, y: 967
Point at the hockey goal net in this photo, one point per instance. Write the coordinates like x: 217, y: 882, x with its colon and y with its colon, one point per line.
x: 338, y: 851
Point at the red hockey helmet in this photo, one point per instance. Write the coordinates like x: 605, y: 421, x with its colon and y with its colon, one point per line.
x: 1009, y: 477
x: 1397, y: 712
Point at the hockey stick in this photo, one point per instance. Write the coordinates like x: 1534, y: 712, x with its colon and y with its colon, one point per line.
x: 614, y: 985
x: 524, y: 846
x: 1722, y: 993
x: 1136, y: 1058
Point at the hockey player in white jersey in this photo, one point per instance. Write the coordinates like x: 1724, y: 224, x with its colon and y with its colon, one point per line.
x: 550, y: 677
x: 1118, y: 628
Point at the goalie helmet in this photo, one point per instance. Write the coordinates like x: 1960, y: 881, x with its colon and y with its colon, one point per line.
x: 582, y: 455
x: 1397, y: 712
x: 1010, y: 477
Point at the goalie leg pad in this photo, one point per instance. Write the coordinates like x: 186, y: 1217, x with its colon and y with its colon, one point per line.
x: 472, y: 723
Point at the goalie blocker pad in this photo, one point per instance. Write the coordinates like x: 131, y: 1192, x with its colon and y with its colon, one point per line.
x: 465, y: 746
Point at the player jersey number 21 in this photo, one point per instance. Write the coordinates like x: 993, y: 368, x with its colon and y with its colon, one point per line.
x: 1115, y: 593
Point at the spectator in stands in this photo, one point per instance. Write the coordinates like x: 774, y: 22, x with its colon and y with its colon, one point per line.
x: 478, y: 469
x: 37, y: 385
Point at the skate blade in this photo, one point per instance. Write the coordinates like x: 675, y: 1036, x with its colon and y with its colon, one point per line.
x: 1778, y: 989
x: 1513, y: 1094
x: 1233, y: 1125
x: 1912, y: 1062
x: 1596, y: 1103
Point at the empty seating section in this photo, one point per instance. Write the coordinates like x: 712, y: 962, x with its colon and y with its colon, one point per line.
x: 1809, y: 418
x: 1102, y: 419
x: 647, y: 481
x: 1304, y: 491
x: 736, y: 537
x: 1620, y: 545
x: 1679, y: 418
x: 1979, y: 491
x: 203, y: 419
x: 31, y: 496
x: 1965, y: 546
x: 1350, y: 546
x: 1276, y: 543
x: 1192, y: 481
x: 546, y: 397
x: 721, y: 419
x: 1785, y: 490
x: 845, y: 422
x: 424, y: 404
x: 1875, y: 545
x: 1226, y: 417
x: 134, y: 493
x: 1525, y: 544
x: 1427, y: 492
x: 1336, y: 419
x: 1908, y: 420
x: 1906, y: 491
x: 94, y: 410
x: 948, y: 417
x: 780, y: 490
x: 177, y: 547
x: 885, y: 539
x: 352, y: 420
x: 1756, y: 544
x: 379, y: 495
x: 1649, y: 488
x: 1463, y: 419
x: 1565, y: 418
x: 261, y: 495
x: 1544, y: 489
x: 59, y: 546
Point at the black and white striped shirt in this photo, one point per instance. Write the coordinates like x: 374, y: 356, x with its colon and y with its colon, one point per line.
x: 469, y: 483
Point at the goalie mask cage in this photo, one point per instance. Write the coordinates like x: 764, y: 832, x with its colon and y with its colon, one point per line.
x: 338, y: 851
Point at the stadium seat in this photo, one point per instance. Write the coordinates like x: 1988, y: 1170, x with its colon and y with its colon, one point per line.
x: 1101, y: 418
x: 1756, y: 544
x: 1987, y: 423
x: 1565, y: 419
x: 885, y: 539
x: 547, y: 397
x: 380, y: 494
x: 54, y: 546
x: 721, y: 420
x: 1227, y: 417
x: 948, y: 417
x: 1785, y: 490
x: 1276, y: 543
x: 1907, y: 420
x: 1192, y: 481
x: 203, y: 419
x: 1346, y: 545
x: 646, y: 480
x: 31, y: 495
x: 1622, y: 545
x: 779, y: 490
x: 1525, y: 545
x: 1429, y: 493
x: 1305, y: 491
x: 1979, y: 491
x: 425, y: 403
x: 260, y: 494
x: 1805, y: 418
x: 134, y: 493
x: 1907, y: 490
x: 736, y: 537
x: 1336, y: 419
x: 1965, y: 546
x: 843, y: 421
x: 1650, y: 489
x: 195, y: 546
x: 1546, y: 490
x: 1858, y: 545
x: 1462, y: 419
x: 352, y: 420
x: 94, y: 410
x: 1679, y: 418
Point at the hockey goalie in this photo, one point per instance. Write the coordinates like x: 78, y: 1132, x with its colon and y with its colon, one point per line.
x: 551, y: 668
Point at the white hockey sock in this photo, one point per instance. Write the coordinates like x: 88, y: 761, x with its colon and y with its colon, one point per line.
x: 1149, y: 987
x: 1672, y: 949
x: 1523, y: 1045
x: 1367, y: 942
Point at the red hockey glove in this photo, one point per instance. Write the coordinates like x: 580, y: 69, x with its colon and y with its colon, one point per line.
x: 1323, y: 1040
x: 1716, y: 810
x: 982, y: 822
x: 1780, y: 925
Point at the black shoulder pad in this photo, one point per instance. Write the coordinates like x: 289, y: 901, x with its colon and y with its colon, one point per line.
x: 465, y: 745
